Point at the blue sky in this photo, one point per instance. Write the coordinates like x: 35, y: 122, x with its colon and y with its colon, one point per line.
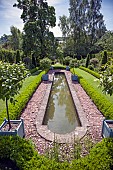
x: 11, y: 16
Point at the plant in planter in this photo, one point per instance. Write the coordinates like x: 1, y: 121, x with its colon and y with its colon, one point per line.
x: 73, y: 64
x: 45, y: 65
x: 11, y: 79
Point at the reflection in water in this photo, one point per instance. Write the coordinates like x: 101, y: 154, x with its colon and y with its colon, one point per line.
x: 61, y: 115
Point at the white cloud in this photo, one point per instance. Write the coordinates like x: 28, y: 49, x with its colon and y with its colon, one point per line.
x: 57, y: 32
x: 9, y: 16
x: 53, y: 3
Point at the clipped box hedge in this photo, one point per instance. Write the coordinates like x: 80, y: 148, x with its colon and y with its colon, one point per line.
x: 23, y: 154
x: 95, y: 74
x: 22, y: 99
x: 102, y: 103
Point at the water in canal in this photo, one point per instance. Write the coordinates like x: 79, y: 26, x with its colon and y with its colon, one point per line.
x: 60, y: 116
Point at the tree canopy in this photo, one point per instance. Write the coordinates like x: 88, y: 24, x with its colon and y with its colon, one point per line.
x: 38, y: 18
x: 84, y: 26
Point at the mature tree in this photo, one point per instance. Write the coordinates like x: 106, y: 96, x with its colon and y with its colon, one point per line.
x: 45, y: 63
x: 106, y: 41
x: 86, y: 23
x: 64, y: 25
x: 59, y: 54
x: 87, y: 60
x: 96, y: 27
x: 104, y: 58
x: 38, y: 18
x: 15, y: 38
x: 11, y: 78
x: 5, y: 41
x: 18, y: 57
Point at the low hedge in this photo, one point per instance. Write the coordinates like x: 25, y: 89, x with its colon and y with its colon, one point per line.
x: 23, y: 153
x: 34, y: 70
x: 22, y: 99
x: 100, y: 157
x: 59, y: 66
x: 103, y: 104
x: 95, y: 74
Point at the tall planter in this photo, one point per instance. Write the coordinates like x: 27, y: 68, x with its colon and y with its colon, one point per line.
x: 17, y: 128
x: 74, y: 77
x: 107, y: 128
x: 67, y: 68
x: 45, y: 77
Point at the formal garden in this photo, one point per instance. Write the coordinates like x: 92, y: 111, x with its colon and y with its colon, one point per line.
x: 28, y: 60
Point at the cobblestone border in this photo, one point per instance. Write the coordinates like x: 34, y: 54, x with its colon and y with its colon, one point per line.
x: 43, y: 130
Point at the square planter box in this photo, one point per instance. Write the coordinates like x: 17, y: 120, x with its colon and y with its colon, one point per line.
x: 67, y: 68
x: 107, y: 128
x: 45, y: 77
x: 74, y: 77
x: 51, y: 68
x: 17, y: 128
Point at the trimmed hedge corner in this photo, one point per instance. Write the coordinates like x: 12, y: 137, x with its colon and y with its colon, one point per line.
x: 95, y: 74
x: 22, y: 99
x: 102, y: 103
x: 23, y: 153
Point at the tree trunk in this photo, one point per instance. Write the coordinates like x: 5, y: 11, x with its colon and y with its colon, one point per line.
x: 7, y: 111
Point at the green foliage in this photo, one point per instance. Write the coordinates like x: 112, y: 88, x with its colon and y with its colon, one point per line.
x: 59, y: 66
x: 73, y: 64
x: 67, y: 60
x: 38, y: 16
x: 106, y: 80
x: 18, y: 57
x: 91, y: 67
x: 22, y: 99
x: 102, y: 103
x: 34, y: 70
x: 104, y: 58
x: 94, y: 62
x: 7, y: 55
x: 15, y: 38
x: 90, y: 71
x: 81, y: 39
x: 100, y: 157
x: 87, y: 60
x: 45, y: 63
x: 22, y: 152
x: 11, y: 77
x: 106, y: 41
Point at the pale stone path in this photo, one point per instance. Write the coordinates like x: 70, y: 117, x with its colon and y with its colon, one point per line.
x: 29, y: 115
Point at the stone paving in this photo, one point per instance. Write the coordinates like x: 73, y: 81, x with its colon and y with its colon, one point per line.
x: 30, y: 114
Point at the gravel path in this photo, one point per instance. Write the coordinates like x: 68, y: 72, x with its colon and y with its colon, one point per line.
x: 29, y: 115
x: 93, y: 115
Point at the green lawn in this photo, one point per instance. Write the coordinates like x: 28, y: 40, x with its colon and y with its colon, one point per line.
x: 94, y: 82
x: 26, y: 83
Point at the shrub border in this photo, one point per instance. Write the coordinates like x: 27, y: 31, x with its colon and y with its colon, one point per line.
x: 95, y: 74
x: 100, y: 101
x: 22, y: 99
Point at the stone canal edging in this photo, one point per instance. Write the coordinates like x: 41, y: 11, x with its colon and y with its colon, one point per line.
x: 43, y: 130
